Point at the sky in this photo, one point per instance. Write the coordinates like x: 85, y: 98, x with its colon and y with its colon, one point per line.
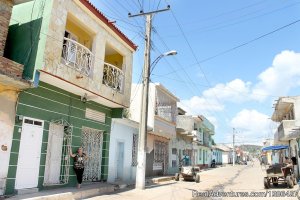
x: 235, y: 58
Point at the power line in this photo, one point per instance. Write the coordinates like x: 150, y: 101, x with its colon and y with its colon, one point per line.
x: 195, y: 57
x: 239, y: 46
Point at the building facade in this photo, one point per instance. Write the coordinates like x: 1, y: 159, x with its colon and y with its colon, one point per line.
x: 287, y: 114
x: 80, y: 65
x: 184, y: 144
x: 162, y: 111
x: 217, y: 155
x: 123, y: 151
x: 207, y: 130
x: 12, y: 83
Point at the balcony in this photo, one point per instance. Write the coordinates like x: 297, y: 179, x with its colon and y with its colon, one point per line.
x: 166, y: 112
x: 77, y: 56
x: 184, y: 124
x: 287, y: 130
x: 113, y: 77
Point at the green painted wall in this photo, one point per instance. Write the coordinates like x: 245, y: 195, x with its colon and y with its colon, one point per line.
x: 27, y: 35
x: 50, y: 103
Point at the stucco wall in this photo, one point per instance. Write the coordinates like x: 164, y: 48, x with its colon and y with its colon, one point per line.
x: 7, y: 120
x: 101, y: 36
x: 121, y: 132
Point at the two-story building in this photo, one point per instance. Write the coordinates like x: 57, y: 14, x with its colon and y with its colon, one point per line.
x: 162, y: 111
x: 80, y: 64
x: 207, y: 130
x: 185, y: 142
x: 11, y: 84
x: 287, y: 114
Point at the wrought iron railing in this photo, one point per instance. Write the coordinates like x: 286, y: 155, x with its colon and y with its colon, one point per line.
x: 77, y: 56
x: 113, y: 77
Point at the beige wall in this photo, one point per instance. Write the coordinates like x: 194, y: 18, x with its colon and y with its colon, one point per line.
x: 102, y: 35
x: 8, y: 97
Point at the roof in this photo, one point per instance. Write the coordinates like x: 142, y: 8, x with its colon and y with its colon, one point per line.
x: 278, y: 147
x: 222, y: 147
x: 106, y: 21
x: 166, y: 91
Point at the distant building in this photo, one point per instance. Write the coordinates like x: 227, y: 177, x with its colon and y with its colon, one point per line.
x: 226, y: 153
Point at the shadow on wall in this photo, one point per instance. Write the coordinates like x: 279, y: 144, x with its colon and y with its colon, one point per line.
x: 22, y: 45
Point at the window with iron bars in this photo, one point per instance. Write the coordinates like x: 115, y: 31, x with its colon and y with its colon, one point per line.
x: 134, y: 149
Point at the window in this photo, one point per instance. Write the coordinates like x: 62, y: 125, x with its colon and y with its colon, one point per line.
x: 200, y: 154
x: 174, y: 151
x: 95, y: 115
x: 160, y: 151
x: 134, y: 149
x: 174, y: 163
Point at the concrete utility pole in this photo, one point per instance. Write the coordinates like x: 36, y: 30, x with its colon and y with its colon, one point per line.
x: 233, y: 149
x: 142, y: 144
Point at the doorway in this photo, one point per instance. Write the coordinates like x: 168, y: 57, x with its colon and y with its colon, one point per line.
x: 29, y: 154
x: 92, y: 146
x: 120, y: 160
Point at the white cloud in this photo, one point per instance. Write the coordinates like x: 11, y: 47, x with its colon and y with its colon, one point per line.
x: 233, y: 91
x: 277, y: 80
x: 280, y: 78
x: 252, y: 126
x: 212, y: 99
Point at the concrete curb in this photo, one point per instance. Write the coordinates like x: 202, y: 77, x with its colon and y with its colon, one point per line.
x: 162, y: 179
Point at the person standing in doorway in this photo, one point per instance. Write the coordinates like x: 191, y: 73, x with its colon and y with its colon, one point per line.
x: 79, y: 159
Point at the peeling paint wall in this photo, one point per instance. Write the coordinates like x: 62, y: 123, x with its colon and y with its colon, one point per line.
x: 8, y: 97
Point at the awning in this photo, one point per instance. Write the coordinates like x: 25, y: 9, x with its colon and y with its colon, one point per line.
x: 278, y: 147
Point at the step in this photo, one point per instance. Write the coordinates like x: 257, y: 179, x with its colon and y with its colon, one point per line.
x: 27, y: 191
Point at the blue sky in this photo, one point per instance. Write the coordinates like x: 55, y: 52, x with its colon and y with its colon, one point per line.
x: 236, y: 89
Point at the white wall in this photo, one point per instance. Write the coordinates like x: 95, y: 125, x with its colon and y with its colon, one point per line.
x: 7, y: 121
x: 135, y: 106
x: 225, y: 158
x: 122, y: 130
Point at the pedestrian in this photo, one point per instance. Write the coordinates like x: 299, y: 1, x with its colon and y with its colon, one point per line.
x: 79, y: 159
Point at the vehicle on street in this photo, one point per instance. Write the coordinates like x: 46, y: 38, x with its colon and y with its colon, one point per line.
x: 188, y: 172
x: 279, y: 173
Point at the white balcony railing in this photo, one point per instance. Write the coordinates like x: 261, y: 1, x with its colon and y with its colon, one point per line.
x: 77, y: 56
x: 113, y: 77
x: 185, y: 123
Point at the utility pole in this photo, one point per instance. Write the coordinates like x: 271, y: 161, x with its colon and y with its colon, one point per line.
x: 142, y: 143
x: 233, y: 149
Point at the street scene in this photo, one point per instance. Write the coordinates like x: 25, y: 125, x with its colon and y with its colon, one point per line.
x: 140, y: 99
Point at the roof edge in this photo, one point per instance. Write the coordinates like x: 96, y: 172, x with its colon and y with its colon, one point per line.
x: 106, y: 21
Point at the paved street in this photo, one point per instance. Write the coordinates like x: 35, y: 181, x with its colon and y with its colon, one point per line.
x: 236, y: 179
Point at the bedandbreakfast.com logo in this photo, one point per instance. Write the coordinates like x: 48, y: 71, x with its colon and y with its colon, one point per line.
x: 232, y: 194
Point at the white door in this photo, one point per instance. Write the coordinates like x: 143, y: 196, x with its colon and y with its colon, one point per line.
x: 54, y: 154
x: 120, y: 160
x: 29, y: 154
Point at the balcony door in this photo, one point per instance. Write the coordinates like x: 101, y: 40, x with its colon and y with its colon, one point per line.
x: 70, y: 47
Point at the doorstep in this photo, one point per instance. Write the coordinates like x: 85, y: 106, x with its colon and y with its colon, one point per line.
x: 68, y: 193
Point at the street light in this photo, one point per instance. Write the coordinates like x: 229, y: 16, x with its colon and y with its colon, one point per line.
x: 142, y: 145
x: 169, y: 53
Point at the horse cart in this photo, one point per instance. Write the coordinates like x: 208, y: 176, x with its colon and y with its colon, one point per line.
x: 279, y: 173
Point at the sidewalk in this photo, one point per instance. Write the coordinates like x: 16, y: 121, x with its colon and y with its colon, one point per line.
x: 69, y: 193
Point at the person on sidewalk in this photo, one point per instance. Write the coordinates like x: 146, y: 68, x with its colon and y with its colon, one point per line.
x: 288, y: 165
x: 79, y: 159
